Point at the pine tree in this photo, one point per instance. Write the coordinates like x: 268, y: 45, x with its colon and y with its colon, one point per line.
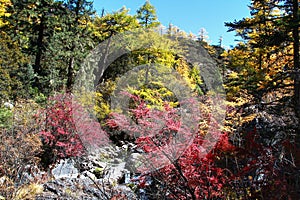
x: 295, y: 29
x: 31, y: 24
x: 147, y: 15
x: 79, y: 14
x: 13, y: 80
x: 267, y: 46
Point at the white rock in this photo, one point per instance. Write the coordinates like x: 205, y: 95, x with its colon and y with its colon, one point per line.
x: 8, y: 105
x: 65, y: 169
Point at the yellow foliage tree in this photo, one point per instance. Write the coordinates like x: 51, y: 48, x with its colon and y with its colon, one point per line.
x: 262, y: 62
x: 3, y: 13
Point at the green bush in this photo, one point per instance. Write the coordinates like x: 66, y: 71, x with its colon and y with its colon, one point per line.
x: 5, y: 118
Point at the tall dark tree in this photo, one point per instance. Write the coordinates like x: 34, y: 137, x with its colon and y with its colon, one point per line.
x: 271, y: 47
x: 70, y: 43
x: 30, y: 24
x: 79, y: 14
x: 54, y: 34
x: 273, y: 28
x: 295, y: 28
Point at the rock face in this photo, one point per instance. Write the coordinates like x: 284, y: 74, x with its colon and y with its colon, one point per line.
x: 83, y: 188
x: 70, y: 188
x: 102, y: 175
x: 274, y: 122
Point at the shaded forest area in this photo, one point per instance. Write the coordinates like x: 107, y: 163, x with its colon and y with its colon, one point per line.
x: 252, y: 152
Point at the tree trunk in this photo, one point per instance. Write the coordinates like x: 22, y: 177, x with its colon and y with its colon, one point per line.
x: 70, y: 74
x: 296, y: 57
x: 38, y: 57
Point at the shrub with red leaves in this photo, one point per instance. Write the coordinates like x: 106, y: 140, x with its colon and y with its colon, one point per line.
x: 176, y: 155
x: 189, y: 161
x: 68, y: 129
x: 260, y: 171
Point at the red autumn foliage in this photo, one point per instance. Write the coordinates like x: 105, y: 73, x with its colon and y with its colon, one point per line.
x: 262, y: 171
x: 163, y: 134
x: 68, y: 129
x: 201, y: 165
x: 175, y: 152
x: 183, y: 161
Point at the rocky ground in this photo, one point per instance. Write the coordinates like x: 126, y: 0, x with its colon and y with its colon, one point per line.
x: 102, y: 175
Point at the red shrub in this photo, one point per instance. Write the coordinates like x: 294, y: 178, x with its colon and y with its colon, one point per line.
x: 176, y: 154
x: 68, y: 129
x: 187, y: 156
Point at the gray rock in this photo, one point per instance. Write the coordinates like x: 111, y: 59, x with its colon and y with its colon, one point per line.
x: 65, y: 169
x: 82, y: 183
x: 73, y: 189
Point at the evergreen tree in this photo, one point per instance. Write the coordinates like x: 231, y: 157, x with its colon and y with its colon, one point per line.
x: 267, y: 46
x: 295, y: 29
x: 55, y: 35
x: 31, y: 24
x: 147, y: 15
x: 79, y: 15
x: 13, y: 80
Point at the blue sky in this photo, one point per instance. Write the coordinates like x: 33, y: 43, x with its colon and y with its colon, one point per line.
x: 190, y: 15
